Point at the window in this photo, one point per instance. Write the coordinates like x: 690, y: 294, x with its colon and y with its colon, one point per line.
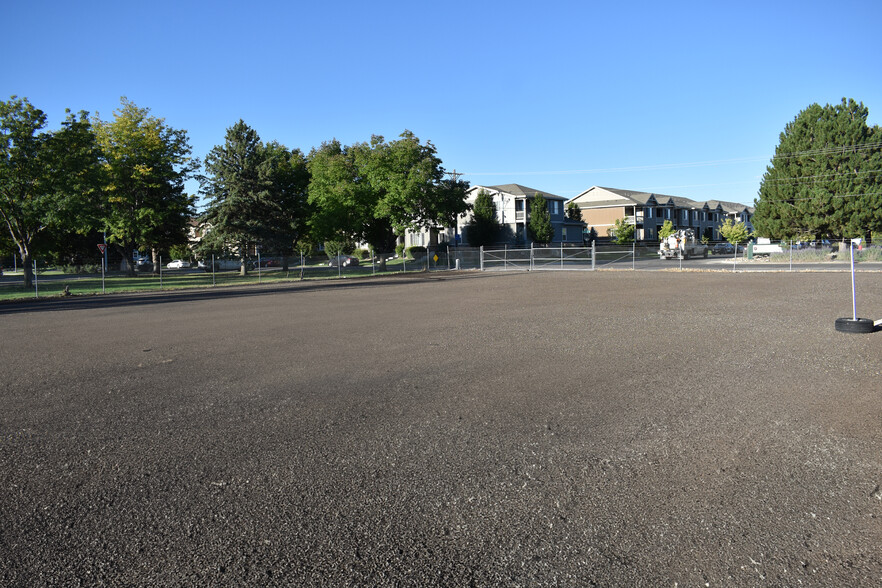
x: 555, y: 207
x: 647, y: 212
x: 563, y: 233
x: 519, y: 205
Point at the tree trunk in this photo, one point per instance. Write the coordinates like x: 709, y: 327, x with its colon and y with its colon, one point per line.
x: 27, y: 268
x: 243, y: 267
x: 285, y: 263
x: 155, y: 261
x: 125, y: 265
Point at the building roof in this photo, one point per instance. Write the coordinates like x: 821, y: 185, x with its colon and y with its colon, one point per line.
x: 644, y: 198
x: 519, y: 190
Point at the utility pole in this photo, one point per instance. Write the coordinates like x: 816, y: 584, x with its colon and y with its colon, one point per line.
x: 454, y: 175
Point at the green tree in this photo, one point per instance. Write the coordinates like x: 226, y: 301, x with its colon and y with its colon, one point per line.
x: 341, y: 199
x: 46, y: 178
x: 825, y: 178
x: 667, y: 229
x: 374, y: 192
x: 623, y: 231
x: 408, y: 179
x: 483, y: 229
x: 539, y: 225
x: 734, y: 233
x: 256, y: 194
x: 146, y: 163
x: 573, y: 211
x: 286, y: 209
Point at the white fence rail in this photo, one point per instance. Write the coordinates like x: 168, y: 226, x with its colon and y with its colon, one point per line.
x: 559, y: 258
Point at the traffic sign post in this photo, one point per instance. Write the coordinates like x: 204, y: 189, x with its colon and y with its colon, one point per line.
x: 102, y: 247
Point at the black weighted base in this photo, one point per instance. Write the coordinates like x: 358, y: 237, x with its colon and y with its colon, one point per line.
x: 850, y: 325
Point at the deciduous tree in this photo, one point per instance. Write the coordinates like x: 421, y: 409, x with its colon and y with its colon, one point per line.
x: 667, y: 229
x: 46, y: 178
x: 623, y: 231
x: 539, y: 225
x: 146, y: 163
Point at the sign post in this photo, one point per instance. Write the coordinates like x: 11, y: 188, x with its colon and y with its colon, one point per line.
x: 854, y: 324
x: 102, y: 247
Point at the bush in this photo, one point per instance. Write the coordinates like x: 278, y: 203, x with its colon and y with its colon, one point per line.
x: 399, y: 250
x: 362, y: 253
x: 415, y: 252
x: 89, y: 268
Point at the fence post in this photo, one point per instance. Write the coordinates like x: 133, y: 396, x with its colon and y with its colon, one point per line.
x: 561, y: 254
x: 160, y: 272
x: 482, y: 258
x: 593, y: 255
x: 633, y: 255
x: 531, y: 256
x: 373, y: 265
x: 448, y: 257
x: 505, y: 256
x: 791, y: 254
x: 212, y: 269
x: 427, y: 259
x: 36, y: 288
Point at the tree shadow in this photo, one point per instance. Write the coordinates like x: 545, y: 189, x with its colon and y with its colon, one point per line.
x: 136, y: 299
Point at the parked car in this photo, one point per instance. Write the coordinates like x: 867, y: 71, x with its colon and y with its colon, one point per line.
x: 221, y: 265
x: 343, y: 260
x: 178, y: 264
x: 723, y: 248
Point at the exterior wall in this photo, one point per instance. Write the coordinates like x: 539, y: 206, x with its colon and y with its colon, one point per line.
x: 602, y: 219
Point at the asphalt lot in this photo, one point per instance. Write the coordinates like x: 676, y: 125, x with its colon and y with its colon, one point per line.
x: 485, y: 429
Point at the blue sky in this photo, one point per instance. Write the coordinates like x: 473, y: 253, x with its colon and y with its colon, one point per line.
x: 679, y: 98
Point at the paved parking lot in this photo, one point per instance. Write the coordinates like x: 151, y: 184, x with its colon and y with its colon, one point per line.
x: 524, y: 429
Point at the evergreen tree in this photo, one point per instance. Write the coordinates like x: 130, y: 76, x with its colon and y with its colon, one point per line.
x: 484, y: 227
x: 574, y: 212
x: 539, y: 224
x: 256, y: 194
x: 825, y: 179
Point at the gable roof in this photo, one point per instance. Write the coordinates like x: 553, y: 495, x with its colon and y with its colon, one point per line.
x: 644, y: 198
x: 524, y: 191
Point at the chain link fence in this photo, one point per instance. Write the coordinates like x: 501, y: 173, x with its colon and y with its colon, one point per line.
x: 109, y: 274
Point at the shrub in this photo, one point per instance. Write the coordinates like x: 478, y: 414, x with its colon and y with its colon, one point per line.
x: 362, y: 253
x: 416, y: 251
x: 399, y: 250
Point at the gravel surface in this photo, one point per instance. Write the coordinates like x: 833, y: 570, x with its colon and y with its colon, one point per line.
x: 531, y: 429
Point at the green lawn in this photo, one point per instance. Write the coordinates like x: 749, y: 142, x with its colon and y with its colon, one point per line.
x: 52, y: 282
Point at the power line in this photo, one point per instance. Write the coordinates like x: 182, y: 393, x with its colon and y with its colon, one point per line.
x: 798, y: 179
x: 843, y: 149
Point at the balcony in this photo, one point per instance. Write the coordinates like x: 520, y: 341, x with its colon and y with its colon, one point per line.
x: 519, y: 216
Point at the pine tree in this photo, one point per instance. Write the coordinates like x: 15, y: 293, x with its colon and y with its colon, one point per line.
x: 483, y: 228
x: 824, y: 180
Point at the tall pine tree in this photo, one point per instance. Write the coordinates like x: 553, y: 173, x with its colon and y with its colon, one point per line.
x: 824, y: 180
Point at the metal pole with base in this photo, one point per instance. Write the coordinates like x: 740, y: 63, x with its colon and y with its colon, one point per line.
x: 854, y: 324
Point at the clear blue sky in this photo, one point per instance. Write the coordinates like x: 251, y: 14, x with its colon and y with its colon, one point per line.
x: 679, y: 98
